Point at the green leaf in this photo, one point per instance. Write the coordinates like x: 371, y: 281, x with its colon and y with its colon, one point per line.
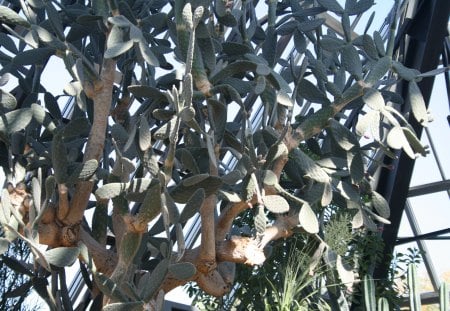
x: 357, y: 221
x: 181, y: 243
x: 235, y: 49
x: 136, y: 33
x: 348, y: 191
x: 146, y: 91
x: 357, y: 168
x: 373, y: 99
x: 37, y: 56
x: 182, y: 270
x: 108, y: 287
x: 232, y: 177
x: 309, y: 167
x: 151, y: 206
x: 187, y: 114
x: 78, y: 127
x: 331, y: 44
x: 118, y: 49
x: 124, y: 306
x: 228, y: 91
x: 164, y: 131
x: 120, y: 21
x: 275, y: 152
x: 59, y: 159
x: 358, y: 7
x: 396, y: 139
x: 276, y: 204
x: 375, y: 216
x: 287, y: 28
x: 243, y: 66
x: 342, y: 135
x: 345, y: 272
x: 310, y: 25
x: 308, y: 219
x: 186, y: 16
x: 50, y: 184
x: 147, y: 54
x: 380, y: 204
x: 263, y: 70
x: 163, y: 114
x: 140, y: 185
x: 418, y: 106
x: 404, y: 72
x: 433, y: 72
x: 182, y: 192
x: 122, y: 168
x: 369, y: 47
x: 379, y: 43
x: 260, y: 85
x: 129, y: 247
x: 229, y: 196
x: 55, y: 20
x: 300, y: 42
x: 414, y: 141
x: 270, y: 179
x: 260, y: 219
x: 7, y: 100
x: 10, y: 17
x: 154, y: 280
x: 227, y: 20
x: 145, y: 137
x: 368, y: 222
x: 309, y: 91
x: 248, y: 188
x: 88, y: 169
x: 15, y: 120
x: 42, y: 117
x: 351, y: 62
x: 378, y: 70
x: 187, y: 160
x: 331, y: 5
x: 218, y: 118
x: 8, y: 43
x: 333, y: 89
x: 110, y: 190
x: 62, y: 256
x: 369, y: 120
x: 284, y: 99
x: 346, y: 27
x: 207, y: 50
x: 269, y: 46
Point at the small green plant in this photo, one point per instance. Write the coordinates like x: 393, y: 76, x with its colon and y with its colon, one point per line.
x: 298, y: 287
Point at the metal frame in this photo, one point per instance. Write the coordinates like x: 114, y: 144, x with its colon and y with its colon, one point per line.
x: 420, y: 42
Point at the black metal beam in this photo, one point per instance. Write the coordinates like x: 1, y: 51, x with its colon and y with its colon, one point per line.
x: 426, y: 236
x: 433, y: 187
x: 425, y: 299
x: 426, y: 32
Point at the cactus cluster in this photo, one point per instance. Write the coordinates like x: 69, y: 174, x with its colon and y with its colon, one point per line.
x: 148, y: 142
